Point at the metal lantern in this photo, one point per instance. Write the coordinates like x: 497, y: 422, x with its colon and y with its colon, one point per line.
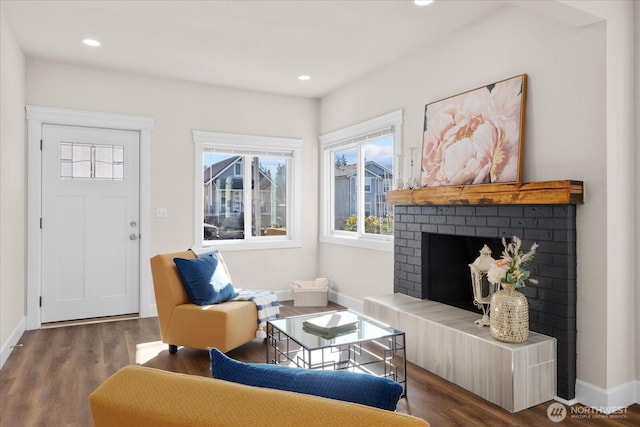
x: 482, y: 288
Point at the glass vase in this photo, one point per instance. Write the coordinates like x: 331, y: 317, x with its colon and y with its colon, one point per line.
x: 509, y: 319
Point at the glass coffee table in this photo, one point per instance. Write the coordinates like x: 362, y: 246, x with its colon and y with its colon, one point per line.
x: 372, y: 347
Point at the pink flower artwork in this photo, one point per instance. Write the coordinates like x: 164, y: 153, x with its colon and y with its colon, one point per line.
x: 475, y: 137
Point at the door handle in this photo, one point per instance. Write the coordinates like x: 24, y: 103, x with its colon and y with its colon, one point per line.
x: 133, y: 236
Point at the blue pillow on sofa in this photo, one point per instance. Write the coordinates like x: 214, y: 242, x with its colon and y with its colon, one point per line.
x: 205, y: 279
x: 348, y: 386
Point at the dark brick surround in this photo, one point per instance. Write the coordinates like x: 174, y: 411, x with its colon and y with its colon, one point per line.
x: 552, y: 303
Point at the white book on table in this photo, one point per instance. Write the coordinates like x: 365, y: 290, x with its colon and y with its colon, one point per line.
x: 332, y: 323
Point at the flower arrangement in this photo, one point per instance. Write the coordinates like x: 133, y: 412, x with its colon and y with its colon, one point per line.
x: 509, y: 269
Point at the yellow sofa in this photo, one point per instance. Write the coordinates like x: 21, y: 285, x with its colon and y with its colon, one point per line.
x: 224, y: 326
x: 139, y: 396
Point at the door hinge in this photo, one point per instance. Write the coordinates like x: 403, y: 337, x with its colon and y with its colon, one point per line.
x: 40, y: 223
x: 40, y: 145
x: 40, y: 302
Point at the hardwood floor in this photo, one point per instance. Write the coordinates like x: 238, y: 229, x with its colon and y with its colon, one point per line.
x: 46, y: 381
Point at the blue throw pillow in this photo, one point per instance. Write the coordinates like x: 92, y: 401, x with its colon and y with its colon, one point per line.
x: 205, y: 279
x: 342, y: 385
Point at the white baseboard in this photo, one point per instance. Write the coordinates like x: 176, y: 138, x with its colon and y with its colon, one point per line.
x: 7, y: 346
x: 610, y: 400
x: 345, y: 301
x: 566, y: 402
x: 152, y: 311
x: 284, y: 295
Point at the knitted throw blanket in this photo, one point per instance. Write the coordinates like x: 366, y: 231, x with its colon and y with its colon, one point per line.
x: 266, y: 303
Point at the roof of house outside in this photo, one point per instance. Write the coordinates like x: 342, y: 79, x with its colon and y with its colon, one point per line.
x: 211, y: 173
x: 349, y: 170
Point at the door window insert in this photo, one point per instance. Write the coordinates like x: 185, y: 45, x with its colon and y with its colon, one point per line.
x: 91, y: 161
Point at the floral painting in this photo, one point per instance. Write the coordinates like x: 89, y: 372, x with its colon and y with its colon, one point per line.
x: 475, y: 137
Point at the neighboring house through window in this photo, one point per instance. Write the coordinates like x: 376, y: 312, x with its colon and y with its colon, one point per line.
x: 247, y: 191
x: 357, y: 171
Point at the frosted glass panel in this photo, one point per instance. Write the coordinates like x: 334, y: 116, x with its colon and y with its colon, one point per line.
x: 118, y: 154
x: 66, y: 151
x: 81, y: 169
x: 91, y: 161
x: 104, y: 170
x: 118, y: 172
x: 81, y: 152
x: 103, y: 154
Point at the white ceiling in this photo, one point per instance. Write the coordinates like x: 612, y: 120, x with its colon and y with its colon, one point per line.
x: 255, y: 45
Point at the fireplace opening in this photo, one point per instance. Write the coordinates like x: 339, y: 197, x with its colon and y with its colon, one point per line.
x: 446, y: 277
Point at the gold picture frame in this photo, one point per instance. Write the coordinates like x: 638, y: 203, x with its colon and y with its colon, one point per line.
x: 475, y: 137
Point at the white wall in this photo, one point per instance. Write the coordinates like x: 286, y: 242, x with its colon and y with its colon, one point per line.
x: 565, y: 138
x: 12, y: 190
x: 178, y: 108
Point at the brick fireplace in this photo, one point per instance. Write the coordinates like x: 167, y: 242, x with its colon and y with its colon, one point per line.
x: 552, y: 302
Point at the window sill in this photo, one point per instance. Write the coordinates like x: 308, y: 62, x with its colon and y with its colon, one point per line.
x: 244, y: 245
x: 379, y: 244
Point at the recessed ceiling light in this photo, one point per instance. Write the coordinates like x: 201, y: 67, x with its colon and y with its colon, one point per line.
x: 304, y: 78
x: 422, y: 2
x: 91, y: 42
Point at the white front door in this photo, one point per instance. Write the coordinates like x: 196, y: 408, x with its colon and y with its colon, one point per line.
x: 90, y: 222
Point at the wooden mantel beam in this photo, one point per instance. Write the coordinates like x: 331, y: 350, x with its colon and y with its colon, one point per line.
x: 530, y: 193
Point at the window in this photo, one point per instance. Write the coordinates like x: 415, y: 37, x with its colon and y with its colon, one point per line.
x: 246, y: 192
x: 91, y: 161
x: 357, y: 170
x: 367, y: 183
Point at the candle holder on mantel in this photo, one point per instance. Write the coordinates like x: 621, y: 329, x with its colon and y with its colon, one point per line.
x: 482, y: 288
x: 412, y: 182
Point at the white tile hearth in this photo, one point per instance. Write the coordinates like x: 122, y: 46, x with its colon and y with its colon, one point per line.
x: 444, y: 340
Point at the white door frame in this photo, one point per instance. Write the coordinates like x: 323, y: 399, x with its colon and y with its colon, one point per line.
x: 36, y: 117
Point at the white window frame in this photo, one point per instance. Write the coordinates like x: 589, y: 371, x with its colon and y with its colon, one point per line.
x: 265, y: 145
x: 344, y: 139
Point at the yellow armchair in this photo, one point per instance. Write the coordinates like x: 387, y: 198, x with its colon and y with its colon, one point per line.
x: 224, y: 326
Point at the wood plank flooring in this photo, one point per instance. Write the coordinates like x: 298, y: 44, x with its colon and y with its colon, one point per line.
x: 47, y: 381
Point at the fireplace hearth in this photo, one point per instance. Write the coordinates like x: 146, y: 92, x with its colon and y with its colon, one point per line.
x: 434, y: 245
